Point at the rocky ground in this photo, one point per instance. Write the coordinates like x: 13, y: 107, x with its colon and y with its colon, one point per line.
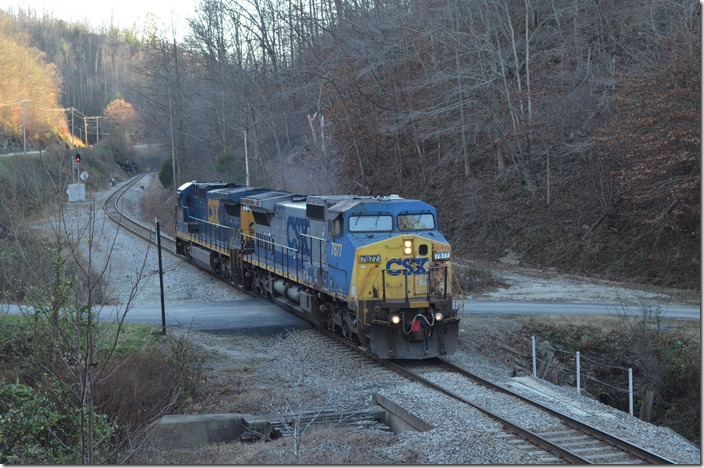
x: 296, y: 372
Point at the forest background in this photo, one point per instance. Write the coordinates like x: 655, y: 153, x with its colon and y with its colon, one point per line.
x: 565, y: 133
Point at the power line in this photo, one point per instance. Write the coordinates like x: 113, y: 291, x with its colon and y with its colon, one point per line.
x: 80, y: 125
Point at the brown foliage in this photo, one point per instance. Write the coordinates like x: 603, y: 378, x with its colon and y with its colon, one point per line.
x: 125, y: 124
x: 138, y: 388
x: 655, y: 133
x: 25, y: 76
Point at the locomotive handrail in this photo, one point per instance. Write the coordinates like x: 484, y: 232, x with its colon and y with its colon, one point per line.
x: 446, y: 270
x: 406, y: 274
x: 314, y: 237
x: 269, y: 242
x: 320, y: 252
x: 217, y: 228
x: 274, y: 245
x: 458, y: 297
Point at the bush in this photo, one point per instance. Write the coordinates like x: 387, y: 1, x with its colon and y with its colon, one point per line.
x: 663, y: 360
x: 166, y: 174
x: 472, y: 279
x: 144, y: 375
x: 35, y: 430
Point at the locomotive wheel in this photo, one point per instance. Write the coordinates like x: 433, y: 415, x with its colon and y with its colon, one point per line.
x: 348, y: 333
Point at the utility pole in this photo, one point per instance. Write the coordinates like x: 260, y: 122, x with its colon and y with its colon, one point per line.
x: 246, y: 160
x: 246, y: 146
x: 173, y: 143
x: 72, y: 109
x: 161, y: 277
x: 24, y: 123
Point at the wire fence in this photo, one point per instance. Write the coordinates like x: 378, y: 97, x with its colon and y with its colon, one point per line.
x: 548, y: 363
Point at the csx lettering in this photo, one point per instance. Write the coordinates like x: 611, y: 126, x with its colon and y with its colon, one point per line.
x: 213, y: 208
x: 414, y: 266
x: 294, y: 228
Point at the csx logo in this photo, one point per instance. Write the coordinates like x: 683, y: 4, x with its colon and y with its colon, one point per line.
x: 415, y: 266
x: 294, y: 228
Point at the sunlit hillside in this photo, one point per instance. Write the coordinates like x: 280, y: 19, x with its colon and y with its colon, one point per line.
x: 30, y: 91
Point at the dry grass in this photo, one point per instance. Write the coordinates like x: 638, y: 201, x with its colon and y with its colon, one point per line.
x: 159, y: 202
x: 321, y: 445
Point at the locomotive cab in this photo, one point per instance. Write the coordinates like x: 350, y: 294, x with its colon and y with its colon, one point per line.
x: 399, y: 288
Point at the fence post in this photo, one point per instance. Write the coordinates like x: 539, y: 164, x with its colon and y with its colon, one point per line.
x: 579, y: 385
x: 630, y: 391
x: 532, y: 339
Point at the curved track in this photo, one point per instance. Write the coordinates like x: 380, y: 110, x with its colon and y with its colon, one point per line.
x: 114, y: 209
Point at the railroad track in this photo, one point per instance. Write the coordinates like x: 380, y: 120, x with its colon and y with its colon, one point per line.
x: 115, y: 210
x: 571, y: 439
x: 565, y: 440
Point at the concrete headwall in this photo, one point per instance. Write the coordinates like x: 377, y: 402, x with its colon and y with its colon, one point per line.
x: 178, y: 431
x: 192, y: 430
x: 399, y: 419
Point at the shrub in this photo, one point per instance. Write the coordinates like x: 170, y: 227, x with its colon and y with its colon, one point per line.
x: 166, y: 174
x: 35, y: 430
x: 472, y: 279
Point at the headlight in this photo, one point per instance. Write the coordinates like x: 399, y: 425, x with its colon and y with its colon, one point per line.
x: 407, y: 247
x: 395, y: 319
x: 439, y: 316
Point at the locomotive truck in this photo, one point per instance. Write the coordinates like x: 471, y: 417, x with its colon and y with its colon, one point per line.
x: 374, y: 269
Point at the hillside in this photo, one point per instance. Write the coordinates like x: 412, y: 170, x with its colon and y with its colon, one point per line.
x: 565, y: 134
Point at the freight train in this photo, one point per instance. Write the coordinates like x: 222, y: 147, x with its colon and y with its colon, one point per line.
x: 374, y: 269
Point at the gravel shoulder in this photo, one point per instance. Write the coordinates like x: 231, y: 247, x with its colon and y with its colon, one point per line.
x: 295, y: 371
x: 529, y: 284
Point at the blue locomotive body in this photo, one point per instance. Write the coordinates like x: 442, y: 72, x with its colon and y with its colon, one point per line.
x: 375, y: 269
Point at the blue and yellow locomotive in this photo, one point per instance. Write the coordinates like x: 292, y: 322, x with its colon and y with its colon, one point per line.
x: 374, y: 269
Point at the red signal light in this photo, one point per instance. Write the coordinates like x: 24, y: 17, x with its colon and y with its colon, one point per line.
x: 78, y: 158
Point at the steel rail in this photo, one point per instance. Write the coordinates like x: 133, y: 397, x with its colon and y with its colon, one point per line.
x: 527, y: 434
x: 602, y: 435
x: 114, y: 211
x: 414, y: 377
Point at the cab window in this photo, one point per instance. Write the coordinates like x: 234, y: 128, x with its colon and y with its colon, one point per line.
x: 416, y: 222
x: 371, y: 223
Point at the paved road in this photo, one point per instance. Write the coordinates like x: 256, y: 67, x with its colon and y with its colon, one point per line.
x: 258, y: 316
x: 249, y: 316
x: 241, y: 316
x: 21, y: 153
x: 557, y: 308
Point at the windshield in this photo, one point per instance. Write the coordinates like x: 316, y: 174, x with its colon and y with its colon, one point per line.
x: 371, y: 223
x: 416, y: 222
